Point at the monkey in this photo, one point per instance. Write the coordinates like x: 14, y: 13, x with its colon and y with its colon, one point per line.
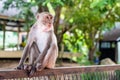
x: 41, y: 45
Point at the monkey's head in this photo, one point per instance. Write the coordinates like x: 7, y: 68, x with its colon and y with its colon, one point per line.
x: 45, y: 19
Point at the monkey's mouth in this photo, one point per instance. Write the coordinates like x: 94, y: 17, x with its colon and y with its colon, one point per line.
x: 49, y: 25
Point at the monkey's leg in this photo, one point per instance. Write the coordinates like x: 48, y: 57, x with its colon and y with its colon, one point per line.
x: 50, y: 58
x: 30, y: 59
x: 34, y: 53
x: 23, y: 58
x: 38, y: 62
x: 41, y: 57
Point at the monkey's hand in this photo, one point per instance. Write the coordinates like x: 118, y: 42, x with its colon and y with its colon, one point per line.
x: 32, y: 70
x: 35, y: 68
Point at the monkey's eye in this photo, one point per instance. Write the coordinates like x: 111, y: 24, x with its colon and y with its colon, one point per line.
x: 47, y: 17
x: 50, y: 17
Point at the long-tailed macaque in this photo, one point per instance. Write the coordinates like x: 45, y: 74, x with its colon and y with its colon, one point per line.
x: 41, y: 45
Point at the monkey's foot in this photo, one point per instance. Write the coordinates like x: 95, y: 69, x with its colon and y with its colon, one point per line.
x: 27, y: 67
x: 38, y: 66
x: 21, y: 67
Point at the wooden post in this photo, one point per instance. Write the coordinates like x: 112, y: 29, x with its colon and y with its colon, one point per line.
x: 4, y: 30
x: 18, y: 36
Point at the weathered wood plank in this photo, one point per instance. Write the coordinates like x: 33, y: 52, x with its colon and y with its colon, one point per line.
x: 12, y: 73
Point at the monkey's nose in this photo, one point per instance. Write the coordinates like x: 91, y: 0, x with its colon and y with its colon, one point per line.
x: 49, y: 24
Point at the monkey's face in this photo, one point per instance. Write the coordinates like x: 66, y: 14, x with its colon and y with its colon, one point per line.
x: 46, y: 19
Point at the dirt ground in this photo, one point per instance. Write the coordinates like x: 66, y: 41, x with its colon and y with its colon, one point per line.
x: 9, y: 64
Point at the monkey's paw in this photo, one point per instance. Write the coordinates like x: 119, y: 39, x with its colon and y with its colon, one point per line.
x: 38, y: 66
x: 32, y: 70
x: 27, y: 67
x: 21, y: 67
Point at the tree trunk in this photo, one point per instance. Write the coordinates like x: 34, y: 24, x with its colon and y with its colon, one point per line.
x: 57, y: 18
x: 91, y: 54
x: 92, y: 51
x: 56, y: 24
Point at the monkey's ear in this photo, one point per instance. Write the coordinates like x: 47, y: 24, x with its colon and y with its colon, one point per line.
x: 37, y: 16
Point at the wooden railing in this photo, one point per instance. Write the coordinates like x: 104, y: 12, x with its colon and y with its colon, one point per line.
x: 99, y: 72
